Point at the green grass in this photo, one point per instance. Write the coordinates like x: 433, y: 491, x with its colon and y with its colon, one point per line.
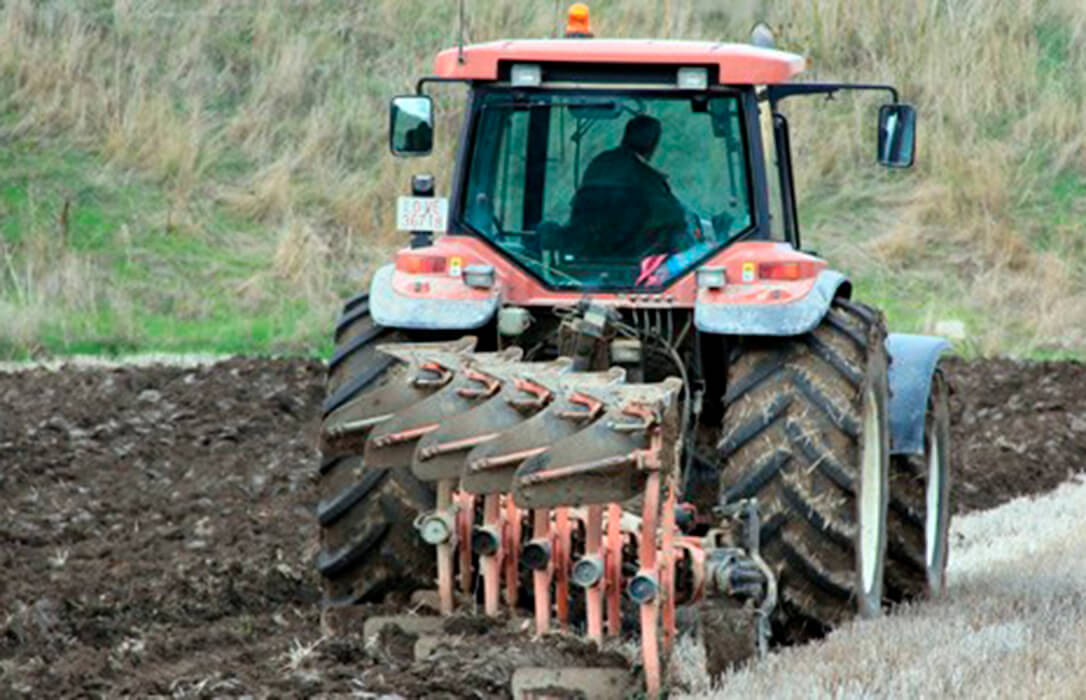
x: 286, y: 330
x: 116, y: 223
x: 37, y: 179
x: 1055, y: 41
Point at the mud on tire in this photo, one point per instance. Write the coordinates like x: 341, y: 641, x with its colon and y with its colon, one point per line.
x: 805, y: 432
x: 919, y: 515
x: 368, y: 544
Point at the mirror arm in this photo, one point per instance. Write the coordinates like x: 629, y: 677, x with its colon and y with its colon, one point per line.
x: 421, y: 83
x: 776, y: 93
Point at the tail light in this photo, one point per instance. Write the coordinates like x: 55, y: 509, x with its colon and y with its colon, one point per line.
x: 415, y: 264
x: 787, y: 270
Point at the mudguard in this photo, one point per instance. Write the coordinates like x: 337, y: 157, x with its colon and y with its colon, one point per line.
x: 912, y: 363
x: 792, y: 318
x: 389, y: 308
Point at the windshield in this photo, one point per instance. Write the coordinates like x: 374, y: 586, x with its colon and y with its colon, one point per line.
x: 596, y: 189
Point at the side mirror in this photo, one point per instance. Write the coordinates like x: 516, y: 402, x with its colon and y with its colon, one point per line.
x: 411, y: 125
x: 897, y: 135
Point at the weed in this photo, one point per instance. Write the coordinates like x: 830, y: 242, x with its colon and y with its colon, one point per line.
x: 299, y: 653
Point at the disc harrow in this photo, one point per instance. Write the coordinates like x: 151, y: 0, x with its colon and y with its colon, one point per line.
x: 565, y: 478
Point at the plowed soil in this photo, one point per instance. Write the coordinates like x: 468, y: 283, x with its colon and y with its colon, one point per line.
x: 157, y: 536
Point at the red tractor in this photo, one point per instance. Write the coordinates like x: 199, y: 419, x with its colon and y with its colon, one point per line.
x: 616, y: 384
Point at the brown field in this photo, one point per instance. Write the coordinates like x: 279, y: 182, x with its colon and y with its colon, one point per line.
x: 213, y: 175
x: 158, y: 538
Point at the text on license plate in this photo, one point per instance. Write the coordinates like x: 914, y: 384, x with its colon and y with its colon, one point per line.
x: 422, y: 213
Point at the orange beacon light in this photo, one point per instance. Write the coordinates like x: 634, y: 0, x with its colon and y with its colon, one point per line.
x: 578, y: 27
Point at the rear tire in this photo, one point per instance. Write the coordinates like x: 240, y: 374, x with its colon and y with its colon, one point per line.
x: 806, y: 433
x: 919, y: 517
x: 368, y: 545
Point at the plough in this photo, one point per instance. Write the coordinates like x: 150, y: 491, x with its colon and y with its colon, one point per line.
x: 557, y: 486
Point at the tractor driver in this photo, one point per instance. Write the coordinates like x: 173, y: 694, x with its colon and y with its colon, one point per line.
x: 624, y: 207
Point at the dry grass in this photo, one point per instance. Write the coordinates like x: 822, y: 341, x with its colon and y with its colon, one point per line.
x: 1012, y: 625
x: 275, y: 111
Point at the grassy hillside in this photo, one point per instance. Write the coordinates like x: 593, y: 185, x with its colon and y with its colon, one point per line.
x: 213, y: 174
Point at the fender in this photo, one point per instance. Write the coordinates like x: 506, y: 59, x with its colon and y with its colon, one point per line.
x: 398, y: 311
x: 912, y: 364
x: 789, y: 319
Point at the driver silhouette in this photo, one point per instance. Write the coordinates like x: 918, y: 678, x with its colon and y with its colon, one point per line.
x: 624, y: 207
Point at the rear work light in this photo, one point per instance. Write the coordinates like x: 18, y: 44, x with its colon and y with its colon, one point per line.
x: 787, y: 270
x: 526, y: 75
x: 479, y: 276
x: 414, y: 264
x: 711, y: 278
x: 692, y: 79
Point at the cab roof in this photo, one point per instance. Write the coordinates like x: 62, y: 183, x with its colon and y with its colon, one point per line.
x: 738, y: 64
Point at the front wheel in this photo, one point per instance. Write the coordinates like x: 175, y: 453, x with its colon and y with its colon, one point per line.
x: 920, y: 507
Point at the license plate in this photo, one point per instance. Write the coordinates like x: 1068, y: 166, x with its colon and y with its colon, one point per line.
x: 422, y: 213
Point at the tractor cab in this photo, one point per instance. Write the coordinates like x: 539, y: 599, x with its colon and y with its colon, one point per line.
x: 598, y: 165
